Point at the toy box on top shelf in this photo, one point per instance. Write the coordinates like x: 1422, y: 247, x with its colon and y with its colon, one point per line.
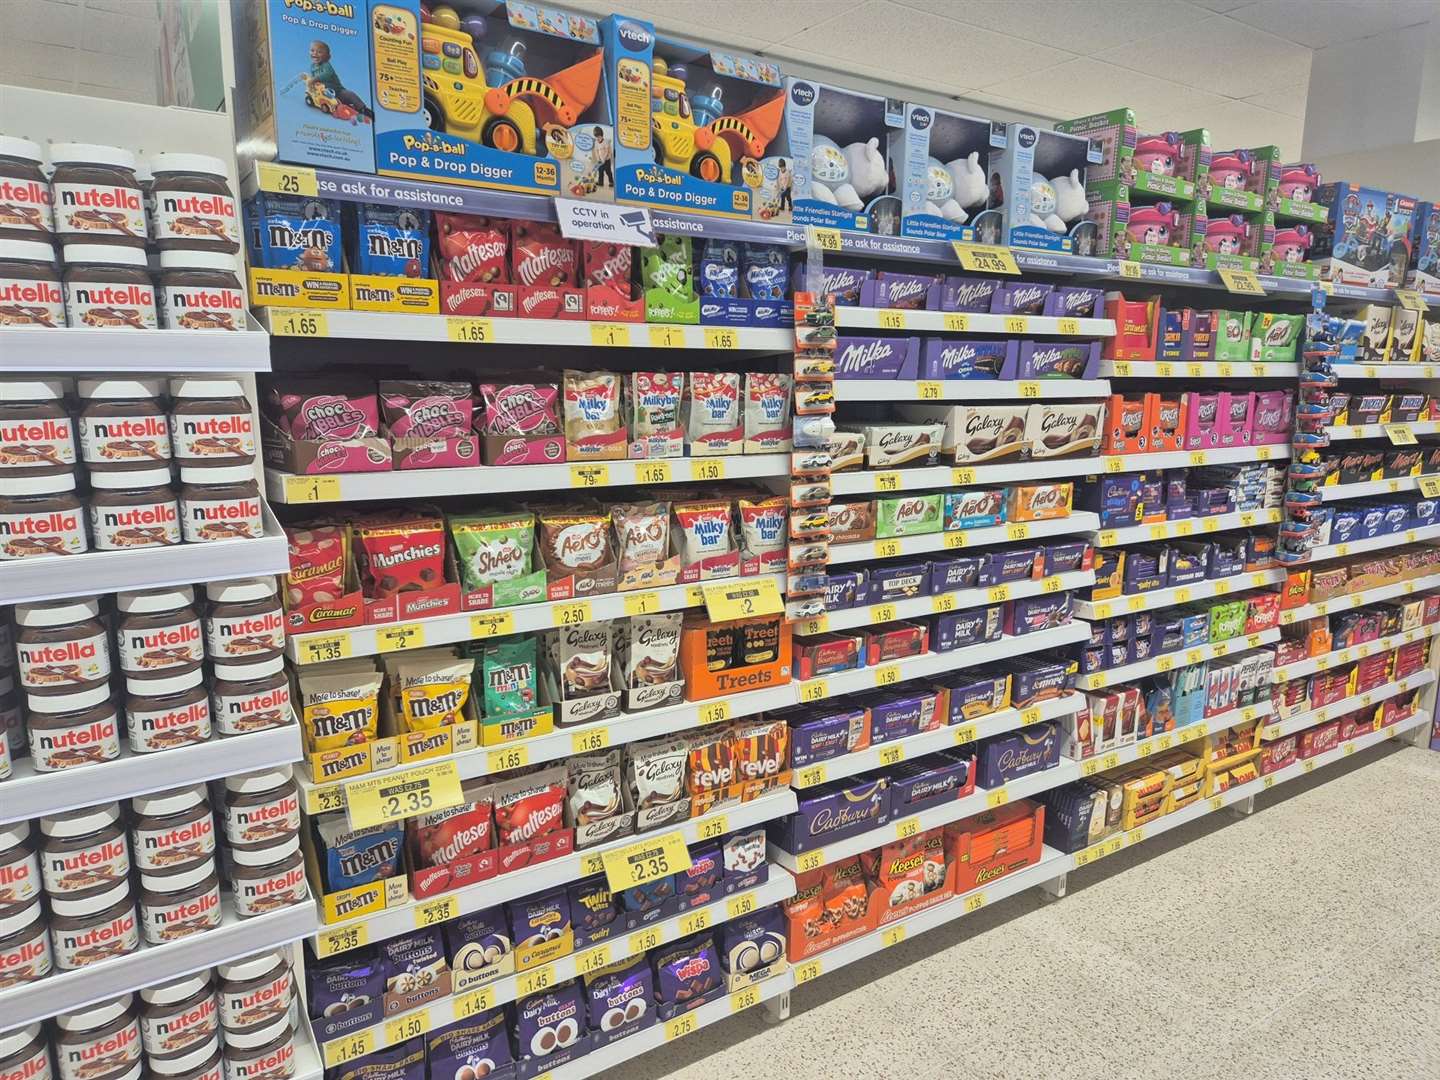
x: 1235, y: 241
x: 1425, y: 232
x: 842, y: 140
x: 1037, y: 195
x: 695, y: 129
x: 303, y: 82
x: 1290, y: 193
x: 509, y: 96
x: 1240, y: 179
x: 1172, y: 234
x: 1367, y: 242
x: 1288, y: 254
x: 1162, y: 166
x: 940, y: 175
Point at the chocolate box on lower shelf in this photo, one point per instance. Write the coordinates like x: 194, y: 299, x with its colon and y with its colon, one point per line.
x: 832, y: 812
x: 820, y: 732
x: 1014, y: 754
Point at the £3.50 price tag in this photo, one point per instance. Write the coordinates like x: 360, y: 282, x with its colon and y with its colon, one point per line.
x: 402, y: 794
x: 645, y: 861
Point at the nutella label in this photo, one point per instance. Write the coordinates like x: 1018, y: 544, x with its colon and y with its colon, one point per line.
x: 4, y: 758
x: 207, y: 519
x: 282, y: 886
x: 26, y: 960
x: 34, y: 1066
x: 245, y: 635
x: 152, y: 730
x: 236, y: 714
x: 158, y: 847
x: 25, y: 444
x: 181, y: 915
x: 30, y: 533
x: 56, y: 748
x: 97, y: 866
x: 151, y: 649
x: 111, y: 305
x: 147, y: 524
x: 19, y: 878
x: 164, y: 1032
x: 100, y: 1054
x: 30, y: 301
x: 63, y: 665
x: 276, y: 1064
x: 192, y: 215
x: 201, y: 307
x: 84, y: 211
x: 105, y: 440
x: 99, y: 941
x: 251, y: 1005
x: 25, y: 208
x: 275, y: 817
x: 213, y: 436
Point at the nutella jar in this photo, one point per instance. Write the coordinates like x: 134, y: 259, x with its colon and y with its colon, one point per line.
x: 172, y: 829
x: 179, y: 901
x: 220, y: 504
x: 249, y: 697
x: 25, y: 205
x: 83, y: 852
x: 254, y: 994
x: 200, y: 1062
x: 267, y: 1054
x: 109, y: 288
x: 70, y: 731
x: 61, y: 646
x: 200, y: 290
x: 36, y: 436
x: 99, y: 1043
x: 211, y: 423
x: 133, y: 509
x: 12, y: 725
x: 179, y: 1015
x: 167, y: 713
x: 96, y: 196
x: 24, y: 945
x: 19, y: 869
x: 158, y: 635
x: 194, y: 207
x: 268, y: 876
x: 30, y: 292
x: 40, y: 516
x: 261, y: 807
x: 24, y: 1054
x: 122, y: 425
x: 85, y: 930
x: 244, y: 620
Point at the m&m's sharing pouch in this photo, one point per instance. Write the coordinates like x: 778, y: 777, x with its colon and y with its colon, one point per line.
x: 433, y: 691
x: 340, y: 708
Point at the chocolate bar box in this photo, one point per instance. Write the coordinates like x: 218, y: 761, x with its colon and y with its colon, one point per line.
x: 832, y: 812
x: 1014, y: 754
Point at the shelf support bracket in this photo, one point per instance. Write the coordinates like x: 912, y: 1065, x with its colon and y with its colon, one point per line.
x: 777, y: 1009
x: 1053, y: 889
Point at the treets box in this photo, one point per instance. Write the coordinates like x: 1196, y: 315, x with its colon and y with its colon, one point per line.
x: 940, y: 170
x: 841, y: 144
x: 513, y: 99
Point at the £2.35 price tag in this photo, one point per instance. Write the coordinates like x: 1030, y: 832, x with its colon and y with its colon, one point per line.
x: 402, y: 793
x: 647, y: 860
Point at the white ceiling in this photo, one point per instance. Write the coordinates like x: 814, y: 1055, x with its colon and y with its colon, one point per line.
x: 1238, y: 67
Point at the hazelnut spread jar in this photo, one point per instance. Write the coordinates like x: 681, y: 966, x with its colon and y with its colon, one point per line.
x: 40, y: 516
x: 249, y: 697
x: 84, y: 853
x: 268, y: 876
x: 267, y: 1054
x: 24, y: 945
x: 70, y: 731
x: 166, y: 713
x: 198, y: 1062
x: 36, y: 438
x: 24, y: 1054
x: 133, y: 509
x: 211, y: 423
x: 179, y: 901
x: 199, y: 290
x: 61, y: 646
x: 101, y: 1042
x: 109, y: 288
x: 19, y: 869
x: 244, y: 620
x: 25, y: 207
x: 194, y: 208
x: 96, y: 197
x: 30, y: 292
x: 220, y: 504
x: 179, y: 1015
x: 88, y: 929
x: 261, y: 807
x: 254, y: 993
x: 172, y: 829
x: 122, y: 425
x: 158, y: 634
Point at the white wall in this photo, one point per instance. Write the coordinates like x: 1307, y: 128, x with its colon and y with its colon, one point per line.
x: 103, y: 48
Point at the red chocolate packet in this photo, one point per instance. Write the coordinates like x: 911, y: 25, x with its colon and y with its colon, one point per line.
x: 400, y: 556
x: 610, y: 265
x: 539, y: 255
x: 472, y: 248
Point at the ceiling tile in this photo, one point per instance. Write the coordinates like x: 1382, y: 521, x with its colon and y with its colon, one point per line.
x: 1087, y: 29
x: 1289, y: 100
x: 1084, y: 86
x: 1235, y: 124
x: 1318, y: 25
x: 739, y: 23
x: 1219, y: 54
x: 830, y: 71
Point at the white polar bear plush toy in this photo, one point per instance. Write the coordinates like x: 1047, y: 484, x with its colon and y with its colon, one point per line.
x: 939, y: 194
x: 868, y: 174
x: 1070, y: 202
x: 969, y: 180
x: 1042, y: 207
x: 830, y: 176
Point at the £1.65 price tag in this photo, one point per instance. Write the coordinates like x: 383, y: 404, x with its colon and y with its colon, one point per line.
x: 645, y: 861
x: 403, y: 793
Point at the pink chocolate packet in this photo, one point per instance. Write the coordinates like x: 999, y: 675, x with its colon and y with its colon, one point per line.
x: 520, y: 408
x: 324, y: 408
x: 427, y: 409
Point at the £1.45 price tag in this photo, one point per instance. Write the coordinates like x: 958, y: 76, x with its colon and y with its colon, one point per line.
x: 648, y: 860
x: 402, y: 794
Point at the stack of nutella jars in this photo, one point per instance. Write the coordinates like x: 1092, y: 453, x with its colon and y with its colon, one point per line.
x: 103, y: 210
x: 74, y: 709
x: 233, y: 1023
x: 130, y: 448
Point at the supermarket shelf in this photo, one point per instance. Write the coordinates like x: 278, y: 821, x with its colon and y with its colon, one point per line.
x: 889, y: 481
x: 871, y: 614
x: 438, y: 1014
x: 308, y: 1065
x: 1386, y: 371
x: 66, y: 991
x: 928, y: 742
x: 1311, y: 664
x: 1124, y: 755
x: 1179, y: 594
x: 1179, y: 459
x: 1206, y: 370
x: 405, y: 326
x: 53, y: 577
x: 1180, y: 658
x: 28, y: 794
x: 517, y: 479
x: 967, y: 389
x: 1374, y: 543
x: 865, y: 550
x: 1169, y: 530
x: 1347, y: 601
x: 547, y: 875
x: 1311, y: 717
x: 1366, y: 488
x: 77, y: 350
x: 863, y: 318
x: 1340, y: 432
x: 498, y: 622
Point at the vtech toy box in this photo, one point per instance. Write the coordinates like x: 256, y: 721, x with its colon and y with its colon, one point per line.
x: 844, y: 162
x: 1425, y: 232
x: 1036, y: 195
x: 940, y: 172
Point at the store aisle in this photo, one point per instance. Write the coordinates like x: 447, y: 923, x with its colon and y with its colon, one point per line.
x: 1308, y: 934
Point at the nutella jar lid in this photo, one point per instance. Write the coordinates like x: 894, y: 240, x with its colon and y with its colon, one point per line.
x: 15, y: 918
x: 170, y: 598
x: 177, y: 990
x: 133, y: 480
x: 187, y: 163
x: 252, y: 967
x: 173, y: 684
x: 27, y: 250
x: 249, y: 1038
x: 104, y: 253
x: 64, y: 703
x: 183, y: 259
x: 16, y: 147
x: 205, y: 388
x: 119, y: 389
x: 80, y: 906
x: 95, y: 1016
x: 265, y: 854
x: 256, y: 669
x: 13, y: 834
x: 57, y: 612
x: 176, y: 880
x: 240, y: 590
x: 187, y: 1062
x: 81, y: 822
x: 263, y: 780
x: 13, y: 1041
x: 215, y: 475
x: 165, y: 803
x: 91, y: 154
x: 17, y: 486
x: 32, y: 389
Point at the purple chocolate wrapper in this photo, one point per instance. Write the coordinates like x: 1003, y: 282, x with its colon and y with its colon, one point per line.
x: 1020, y: 298
x: 831, y: 812
x: 961, y: 293
x: 1014, y: 754
x: 551, y: 1024
x: 621, y: 1000
x: 752, y: 943
x: 687, y: 973
x: 942, y: 358
x: 480, y: 1043
x: 859, y: 357
x: 477, y: 942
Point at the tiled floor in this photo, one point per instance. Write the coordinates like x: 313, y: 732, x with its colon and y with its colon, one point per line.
x: 1300, y: 943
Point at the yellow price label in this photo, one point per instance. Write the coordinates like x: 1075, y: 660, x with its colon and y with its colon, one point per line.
x: 642, y: 603
x: 712, y: 828
x: 814, y: 690
x: 492, y: 624
x: 341, y: 939
x: 474, y: 1002
x: 1114, y: 464
x: 1221, y: 586
x: 470, y: 331
x: 1197, y: 457
x: 822, y: 239
x: 885, y: 549
x: 986, y: 258
x: 1309, y: 766
x: 742, y: 598
x: 1226, y: 370
x: 325, y: 799
x: 681, y: 1026
x: 399, y: 637
x: 713, y: 712
x: 817, y: 625
x: 1017, y: 324
x: 1212, y: 524
x: 890, y: 319
x: 591, y: 864
x: 1136, y: 603
x: 695, y: 921
x: 286, y: 180
x: 892, y: 936
x: 1122, y: 368
x: 807, y: 972
x: 1430, y: 486
x: 738, y: 906
x: 586, y: 963
x: 609, y: 335
x: 1182, y: 595
x: 998, y: 594
x: 966, y: 733
x: 892, y: 754
x: 1164, y: 742
x: 667, y: 337
x: 929, y: 391
x: 887, y: 481
x: 882, y: 613
x: 1134, y: 836
x: 974, y: 902
x: 293, y: 322
x: 585, y: 742
x: 1068, y: 326
x: 341, y: 1051
x: 1185, y: 528
x: 652, y: 472
x: 1017, y: 532
x: 1030, y: 715
x: 644, y: 940
x: 954, y: 540
x: 1050, y: 585
x: 1411, y: 300
x: 907, y: 828
x: 1400, y: 435
x: 320, y: 648
x: 959, y: 324
x: 745, y: 999
x: 571, y: 613
x: 1164, y: 663
x: 1108, y: 538
x: 647, y: 860
x: 1164, y: 370
x: 810, y: 860
x: 943, y: 602
x: 1243, y: 282
x: 1217, y: 803
x: 403, y: 793
x: 812, y: 775
x: 1129, y: 269
x: 312, y: 489
x: 589, y: 476
x: 722, y: 337
x: 507, y: 758
x: 435, y: 912
x: 887, y: 675
x: 707, y: 469
x: 410, y: 1026
x: 998, y: 797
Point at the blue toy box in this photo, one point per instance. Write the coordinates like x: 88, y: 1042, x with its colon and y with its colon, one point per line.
x: 514, y: 99
x: 845, y: 144
x: 1367, y: 242
x: 303, y: 83
x: 1037, y: 190
x: 941, y: 171
x: 696, y: 130
x: 1424, y: 274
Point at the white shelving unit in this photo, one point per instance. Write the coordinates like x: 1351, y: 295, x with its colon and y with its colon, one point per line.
x: 1180, y: 658
x: 1336, y: 657
x: 862, y: 318
x: 1183, y: 527
x: 1310, y: 717
x: 1202, y: 370
x: 1341, y: 432
x: 1374, y: 543
x: 1386, y: 371
x: 1177, y: 594
x: 72, y: 350
x: 1077, y: 523
x: 1367, y: 488
x: 968, y: 389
